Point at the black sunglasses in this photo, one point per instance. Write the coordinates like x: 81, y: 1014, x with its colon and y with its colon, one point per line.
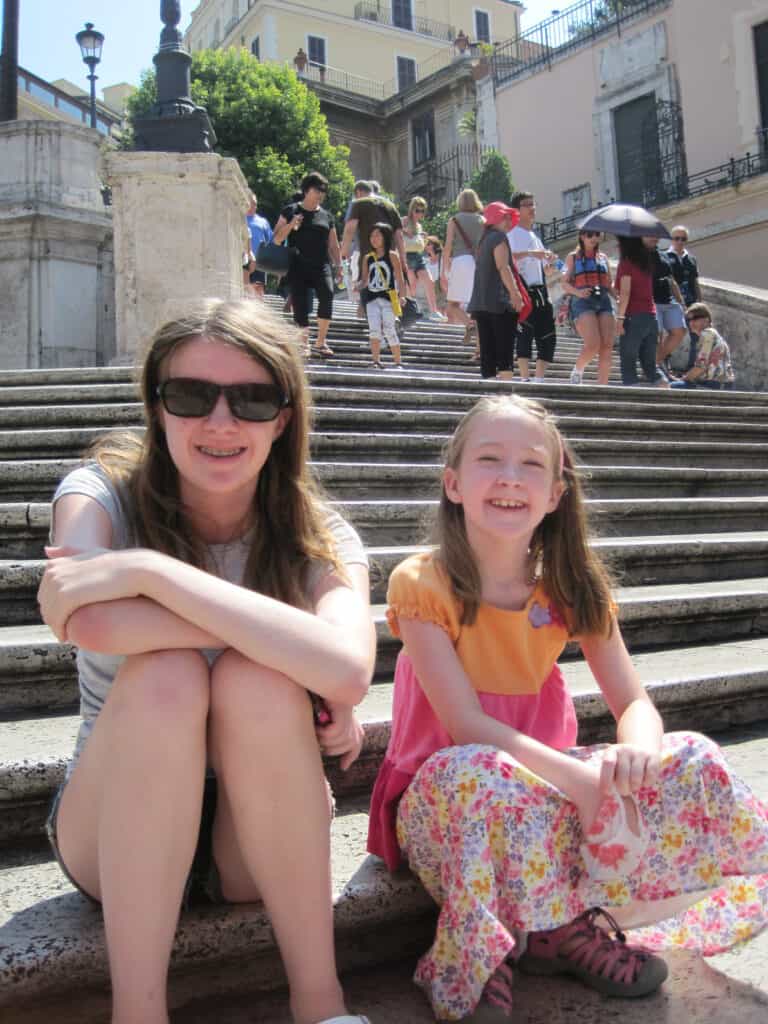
x: 188, y: 397
x: 591, y: 234
x: 679, y: 238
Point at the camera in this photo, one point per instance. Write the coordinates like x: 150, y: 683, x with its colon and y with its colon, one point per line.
x: 597, y: 291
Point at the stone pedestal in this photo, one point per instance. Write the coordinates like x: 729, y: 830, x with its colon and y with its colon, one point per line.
x: 56, y: 289
x: 180, y: 234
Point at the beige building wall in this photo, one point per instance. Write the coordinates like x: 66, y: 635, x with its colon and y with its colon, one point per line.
x: 361, y: 47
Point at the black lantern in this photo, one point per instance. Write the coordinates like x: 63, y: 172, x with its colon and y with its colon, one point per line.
x: 90, y: 42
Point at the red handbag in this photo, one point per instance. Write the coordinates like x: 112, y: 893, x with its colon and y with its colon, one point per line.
x: 527, y: 307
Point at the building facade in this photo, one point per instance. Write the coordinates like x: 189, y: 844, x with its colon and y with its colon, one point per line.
x: 650, y: 102
x: 63, y: 101
x: 394, y: 77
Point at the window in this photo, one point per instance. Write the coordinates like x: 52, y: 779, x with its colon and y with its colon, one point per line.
x: 423, y: 137
x: 402, y: 16
x: 406, y: 72
x: 760, y: 34
x: 316, y: 50
x: 255, y: 49
x: 482, y: 27
x: 577, y: 200
x: 216, y: 34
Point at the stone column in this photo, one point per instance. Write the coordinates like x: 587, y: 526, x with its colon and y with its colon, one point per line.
x: 56, y: 308
x: 180, y: 234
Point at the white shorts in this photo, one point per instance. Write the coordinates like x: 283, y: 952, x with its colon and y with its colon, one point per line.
x: 461, y: 279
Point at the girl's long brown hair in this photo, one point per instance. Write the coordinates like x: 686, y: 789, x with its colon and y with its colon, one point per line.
x: 288, y: 508
x: 573, y: 574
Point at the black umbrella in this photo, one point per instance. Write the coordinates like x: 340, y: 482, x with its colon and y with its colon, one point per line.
x: 623, y: 219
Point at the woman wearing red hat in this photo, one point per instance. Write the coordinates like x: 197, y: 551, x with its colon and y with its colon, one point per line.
x: 496, y: 298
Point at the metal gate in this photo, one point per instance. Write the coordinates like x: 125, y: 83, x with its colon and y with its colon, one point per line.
x: 664, y: 164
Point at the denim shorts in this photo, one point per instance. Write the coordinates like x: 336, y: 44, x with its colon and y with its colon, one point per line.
x: 416, y: 261
x: 669, y: 315
x: 203, y: 883
x: 596, y: 304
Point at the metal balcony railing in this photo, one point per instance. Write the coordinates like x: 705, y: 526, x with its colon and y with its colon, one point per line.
x: 371, y: 10
x: 688, y: 186
x: 339, y: 79
x: 564, y: 32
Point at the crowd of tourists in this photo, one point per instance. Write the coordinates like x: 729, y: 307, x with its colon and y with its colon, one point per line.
x: 492, y: 274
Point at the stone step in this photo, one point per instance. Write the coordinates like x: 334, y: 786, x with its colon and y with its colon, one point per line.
x: 88, y: 384
x: 696, y: 687
x: 36, y: 671
x: 24, y: 525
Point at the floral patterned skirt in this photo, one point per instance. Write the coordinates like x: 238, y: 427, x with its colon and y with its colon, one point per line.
x: 499, y: 850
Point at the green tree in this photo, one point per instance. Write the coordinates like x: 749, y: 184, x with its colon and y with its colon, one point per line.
x: 266, y: 118
x: 493, y: 178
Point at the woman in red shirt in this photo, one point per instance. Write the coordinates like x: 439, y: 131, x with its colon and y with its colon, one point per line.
x: 637, y: 326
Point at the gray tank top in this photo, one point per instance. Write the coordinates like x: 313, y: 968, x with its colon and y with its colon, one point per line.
x: 472, y: 225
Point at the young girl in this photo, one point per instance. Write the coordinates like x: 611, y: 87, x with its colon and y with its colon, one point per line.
x: 587, y: 278
x: 415, y: 242
x: 382, y: 278
x: 209, y: 591
x: 511, y: 829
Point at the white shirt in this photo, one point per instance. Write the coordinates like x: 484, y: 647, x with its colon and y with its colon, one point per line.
x: 531, y: 267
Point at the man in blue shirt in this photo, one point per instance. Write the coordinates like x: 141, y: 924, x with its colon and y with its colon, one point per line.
x: 260, y: 231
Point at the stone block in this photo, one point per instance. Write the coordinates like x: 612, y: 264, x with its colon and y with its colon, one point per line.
x: 179, y: 236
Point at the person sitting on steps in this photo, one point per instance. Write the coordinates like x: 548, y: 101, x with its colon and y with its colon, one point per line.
x: 213, y: 595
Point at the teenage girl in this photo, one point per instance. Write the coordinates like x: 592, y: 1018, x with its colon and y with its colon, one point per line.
x: 510, y: 827
x: 382, y: 276
x: 587, y: 278
x: 415, y: 241
x: 209, y: 591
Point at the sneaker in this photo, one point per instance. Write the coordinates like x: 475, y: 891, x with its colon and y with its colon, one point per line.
x: 606, y: 964
x: 575, y: 376
x: 525, y: 380
x: 397, y: 366
x: 377, y: 364
x: 495, y: 1006
x: 437, y: 317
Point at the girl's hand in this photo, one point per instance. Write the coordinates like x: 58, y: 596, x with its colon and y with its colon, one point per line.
x: 73, y: 580
x: 584, y: 293
x: 342, y: 736
x: 628, y: 768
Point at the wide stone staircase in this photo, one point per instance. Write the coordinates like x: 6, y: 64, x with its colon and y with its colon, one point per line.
x: 678, y: 486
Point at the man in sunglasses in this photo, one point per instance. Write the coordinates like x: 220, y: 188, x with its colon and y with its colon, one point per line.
x: 685, y: 268
x: 531, y: 259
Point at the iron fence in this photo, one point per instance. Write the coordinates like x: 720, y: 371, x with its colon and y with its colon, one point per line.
x: 565, y: 31
x: 729, y: 174
x: 340, y: 79
x: 370, y: 10
x: 441, y: 179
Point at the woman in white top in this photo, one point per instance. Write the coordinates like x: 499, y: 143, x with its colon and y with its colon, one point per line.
x: 210, y: 592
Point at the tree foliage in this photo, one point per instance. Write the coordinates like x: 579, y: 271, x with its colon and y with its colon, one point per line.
x: 266, y: 118
x: 493, y: 179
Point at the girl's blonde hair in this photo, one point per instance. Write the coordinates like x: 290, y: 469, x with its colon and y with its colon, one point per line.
x: 418, y: 202
x: 468, y: 201
x: 288, y: 510
x: 572, y: 573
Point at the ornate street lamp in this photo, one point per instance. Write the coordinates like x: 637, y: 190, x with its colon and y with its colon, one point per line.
x: 174, y: 124
x: 90, y: 42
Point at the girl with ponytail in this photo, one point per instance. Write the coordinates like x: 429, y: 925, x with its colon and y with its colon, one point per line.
x: 540, y: 852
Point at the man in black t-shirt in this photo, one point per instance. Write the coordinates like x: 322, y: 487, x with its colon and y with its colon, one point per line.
x: 366, y: 211
x: 311, y: 233
x: 685, y: 267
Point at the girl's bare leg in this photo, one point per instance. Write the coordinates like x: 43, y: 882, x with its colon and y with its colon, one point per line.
x: 129, y: 818
x: 456, y: 314
x: 429, y: 289
x: 589, y: 333
x: 276, y: 822
x: 607, y: 326
x: 410, y: 280
x: 670, y: 343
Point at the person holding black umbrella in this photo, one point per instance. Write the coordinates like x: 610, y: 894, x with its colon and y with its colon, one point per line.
x: 637, y: 326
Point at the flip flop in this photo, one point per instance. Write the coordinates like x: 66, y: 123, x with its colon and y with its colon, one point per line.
x: 322, y: 350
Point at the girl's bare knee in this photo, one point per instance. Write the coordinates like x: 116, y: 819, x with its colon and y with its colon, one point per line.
x: 243, y: 690
x: 173, y: 686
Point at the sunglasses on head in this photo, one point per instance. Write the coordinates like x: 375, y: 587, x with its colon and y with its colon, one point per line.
x: 256, y: 402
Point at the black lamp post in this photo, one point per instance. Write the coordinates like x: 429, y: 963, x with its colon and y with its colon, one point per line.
x: 175, y: 124
x: 90, y: 42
